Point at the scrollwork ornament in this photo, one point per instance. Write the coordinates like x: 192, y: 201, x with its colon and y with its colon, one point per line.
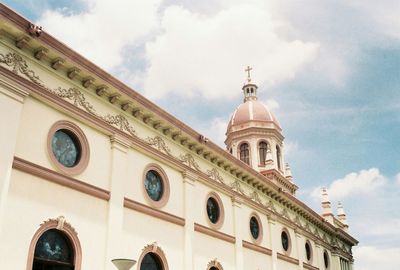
x: 214, y: 174
x: 189, y: 160
x: 159, y: 143
x: 19, y: 65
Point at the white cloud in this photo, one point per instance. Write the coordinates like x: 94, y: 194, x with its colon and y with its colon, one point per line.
x: 216, y: 131
x: 371, y: 258
x: 353, y: 184
x: 291, y: 148
x: 272, y: 104
x: 398, y: 179
x: 385, y: 16
x: 207, y: 54
x: 102, y: 32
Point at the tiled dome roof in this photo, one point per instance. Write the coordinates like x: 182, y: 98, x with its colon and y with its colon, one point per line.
x: 252, y: 110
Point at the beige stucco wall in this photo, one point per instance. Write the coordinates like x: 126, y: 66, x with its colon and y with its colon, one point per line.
x: 31, y: 201
x: 106, y: 229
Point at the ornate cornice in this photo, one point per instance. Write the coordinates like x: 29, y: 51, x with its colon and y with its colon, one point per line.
x: 158, y: 119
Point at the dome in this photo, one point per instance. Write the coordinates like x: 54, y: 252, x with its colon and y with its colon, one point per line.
x: 252, y: 111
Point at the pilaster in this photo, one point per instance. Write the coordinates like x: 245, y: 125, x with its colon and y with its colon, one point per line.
x: 238, y: 230
x: 299, y: 246
x: 189, y: 184
x: 274, y: 244
x: 12, y: 100
x: 119, y: 165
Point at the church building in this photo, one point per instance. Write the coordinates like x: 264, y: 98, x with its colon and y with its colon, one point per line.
x: 95, y: 176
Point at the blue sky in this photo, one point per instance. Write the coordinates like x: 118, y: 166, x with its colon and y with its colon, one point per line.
x: 329, y: 70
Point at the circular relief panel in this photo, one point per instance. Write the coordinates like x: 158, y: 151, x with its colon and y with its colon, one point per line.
x: 68, y: 147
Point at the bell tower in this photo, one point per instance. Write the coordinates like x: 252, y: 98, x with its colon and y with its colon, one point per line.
x: 254, y: 136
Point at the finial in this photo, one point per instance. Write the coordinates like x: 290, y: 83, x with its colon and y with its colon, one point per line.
x: 326, y: 206
x: 341, y: 214
x: 248, y: 69
x: 288, y: 172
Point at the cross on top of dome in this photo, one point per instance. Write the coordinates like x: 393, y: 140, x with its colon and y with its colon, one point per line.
x: 248, y: 69
x: 249, y: 89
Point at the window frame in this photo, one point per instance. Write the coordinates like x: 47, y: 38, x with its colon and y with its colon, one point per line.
x: 248, y: 151
x: 69, y: 232
x: 157, y: 251
x: 166, y: 187
x: 260, y: 228
x: 81, y: 139
x: 289, y: 250
x: 262, y: 162
x: 221, y: 218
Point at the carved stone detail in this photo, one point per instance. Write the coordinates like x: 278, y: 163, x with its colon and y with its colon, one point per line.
x: 235, y: 185
x: 40, y: 53
x: 22, y: 42
x: 214, y: 263
x: 159, y: 143
x: 57, y: 63
x: 34, y: 30
x: 214, y: 174
x: 19, y: 65
x: 121, y: 122
x: 73, y: 72
x: 189, y: 160
x: 87, y: 82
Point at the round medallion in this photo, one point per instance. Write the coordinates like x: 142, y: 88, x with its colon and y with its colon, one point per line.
x: 254, y: 227
x: 213, y: 210
x: 66, y: 148
x: 285, y: 241
x: 154, y: 185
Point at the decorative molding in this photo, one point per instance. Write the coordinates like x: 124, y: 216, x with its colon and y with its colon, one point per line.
x: 57, y: 178
x: 214, y: 263
x: 159, y: 143
x: 286, y: 258
x: 309, y: 266
x: 213, y: 233
x: 61, y: 225
x: 255, y: 197
x: 256, y: 247
x: 235, y: 186
x: 190, y: 161
x: 137, y: 206
x: 18, y: 65
x: 156, y: 250
x: 214, y: 174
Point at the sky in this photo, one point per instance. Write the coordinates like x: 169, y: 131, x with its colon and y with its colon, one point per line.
x: 329, y: 70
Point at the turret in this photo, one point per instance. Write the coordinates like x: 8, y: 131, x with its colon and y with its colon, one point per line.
x: 326, y: 206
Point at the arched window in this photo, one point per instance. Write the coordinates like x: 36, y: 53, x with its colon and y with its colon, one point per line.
x: 214, y: 265
x: 262, y: 150
x: 152, y: 258
x: 55, y: 246
x: 151, y: 262
x: 245, y: 153
x: 53, y: 251
x: 278, y: 157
